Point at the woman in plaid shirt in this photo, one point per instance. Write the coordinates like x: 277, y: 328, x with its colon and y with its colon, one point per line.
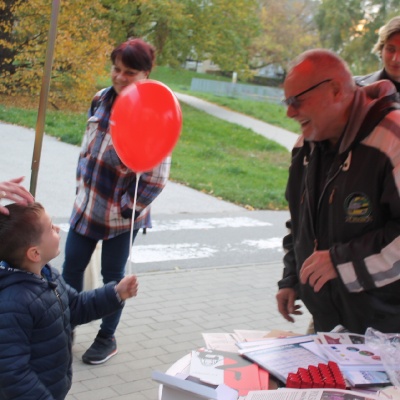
x: 105, y: 193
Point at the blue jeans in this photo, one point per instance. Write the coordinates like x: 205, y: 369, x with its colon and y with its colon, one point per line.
x: 114, y: 255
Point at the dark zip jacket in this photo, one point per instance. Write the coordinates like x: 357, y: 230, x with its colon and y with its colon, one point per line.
x: 355, y: 213
x: 375, y: 77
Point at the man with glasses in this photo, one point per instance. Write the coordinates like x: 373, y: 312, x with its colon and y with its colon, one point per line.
x: 343, y: 250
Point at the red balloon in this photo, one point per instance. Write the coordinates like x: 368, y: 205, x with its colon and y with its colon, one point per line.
x: 145, y: 123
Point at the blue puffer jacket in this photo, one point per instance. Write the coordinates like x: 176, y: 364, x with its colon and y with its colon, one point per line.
x: 35, y: 330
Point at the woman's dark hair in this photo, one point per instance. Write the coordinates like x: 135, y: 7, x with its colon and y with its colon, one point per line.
x: 135, y: 54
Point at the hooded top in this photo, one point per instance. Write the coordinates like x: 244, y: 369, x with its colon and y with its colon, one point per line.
x: 353, y: 211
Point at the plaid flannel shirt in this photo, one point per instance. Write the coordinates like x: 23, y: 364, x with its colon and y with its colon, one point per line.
x: 105, y: 186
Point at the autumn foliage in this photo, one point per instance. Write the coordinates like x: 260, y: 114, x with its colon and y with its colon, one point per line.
x: 81, y: 51
x: 239, y: 36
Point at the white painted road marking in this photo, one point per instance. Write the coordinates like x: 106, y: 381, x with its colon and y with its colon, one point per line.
x: 152, y: 253
x: 167, y: 252
x: 207, y: 223
x: 186, y: 251
x: 199, y: 223
x: 272, y: 243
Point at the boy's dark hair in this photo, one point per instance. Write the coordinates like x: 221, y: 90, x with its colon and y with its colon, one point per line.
x: 18, y: 231
x: 135, y: 54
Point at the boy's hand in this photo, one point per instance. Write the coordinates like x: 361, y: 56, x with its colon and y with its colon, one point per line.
x: 127, y: 287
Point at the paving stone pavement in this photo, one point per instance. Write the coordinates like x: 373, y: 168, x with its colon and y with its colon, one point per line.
x: 165, y: 321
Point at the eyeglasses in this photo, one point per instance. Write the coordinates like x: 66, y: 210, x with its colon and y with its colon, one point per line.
x: 294, y: 101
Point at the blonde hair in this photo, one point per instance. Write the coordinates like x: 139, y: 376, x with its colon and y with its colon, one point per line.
x: 385, y: 32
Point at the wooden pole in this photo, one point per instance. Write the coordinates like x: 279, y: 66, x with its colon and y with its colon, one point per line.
x: 44, y: 94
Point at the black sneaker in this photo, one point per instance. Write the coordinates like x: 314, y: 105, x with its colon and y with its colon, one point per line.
x: 101, y: 350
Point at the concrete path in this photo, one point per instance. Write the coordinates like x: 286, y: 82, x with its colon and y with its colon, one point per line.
x: 56, y: 178
x: 285, y: 138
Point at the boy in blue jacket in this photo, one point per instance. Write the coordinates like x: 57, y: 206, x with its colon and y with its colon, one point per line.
x: 37, y: 307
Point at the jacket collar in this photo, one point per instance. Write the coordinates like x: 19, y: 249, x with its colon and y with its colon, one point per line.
x: 365, y: 99
x: 371, y: 78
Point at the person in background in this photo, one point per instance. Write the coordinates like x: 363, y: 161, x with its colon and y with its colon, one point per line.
x: 37, y: 307
x: 343, y: 250
x: 388, y: 49
x: 14, y: 191
x: 105, y: 193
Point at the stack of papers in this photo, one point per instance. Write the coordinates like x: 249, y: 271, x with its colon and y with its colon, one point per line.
x: 228, y: 341
x: 360, y: 364
x: 310, y: 394
x: 282, y: 356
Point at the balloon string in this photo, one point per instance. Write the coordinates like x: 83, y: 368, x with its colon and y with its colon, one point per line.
x: 130, y: 264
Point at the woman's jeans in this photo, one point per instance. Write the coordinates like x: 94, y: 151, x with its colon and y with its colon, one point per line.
x: 114, y: 255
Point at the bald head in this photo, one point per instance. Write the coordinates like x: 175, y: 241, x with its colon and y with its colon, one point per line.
x: 323, y: 64
x: 319, y: 90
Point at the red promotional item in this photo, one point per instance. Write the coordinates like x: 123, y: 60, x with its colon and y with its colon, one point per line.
x: 305, y: 378
x: 293, y: 380
x: 316, y: 376
x: 145, y: 122
x: 323, y: 376
x: 337, y: 375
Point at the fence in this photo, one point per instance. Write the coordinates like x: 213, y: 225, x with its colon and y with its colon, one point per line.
x: 239, y: 90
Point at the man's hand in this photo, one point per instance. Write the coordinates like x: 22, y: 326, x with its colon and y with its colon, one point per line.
x: 317, y: 270
x: 286, y: 298
x: 127, y: 287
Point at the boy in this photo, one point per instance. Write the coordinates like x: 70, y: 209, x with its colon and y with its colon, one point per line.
x: 37, y: 307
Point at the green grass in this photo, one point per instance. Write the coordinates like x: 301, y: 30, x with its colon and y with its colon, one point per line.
x: 274, y: 114
x: 67, y: 126
x: 214, y: 156
x: 230, y: 162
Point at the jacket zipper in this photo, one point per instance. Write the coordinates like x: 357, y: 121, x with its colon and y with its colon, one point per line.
x: 60, y: 302
x: 314, y: 226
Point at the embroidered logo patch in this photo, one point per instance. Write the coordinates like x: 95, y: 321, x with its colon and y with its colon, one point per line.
x: 358, y: 208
